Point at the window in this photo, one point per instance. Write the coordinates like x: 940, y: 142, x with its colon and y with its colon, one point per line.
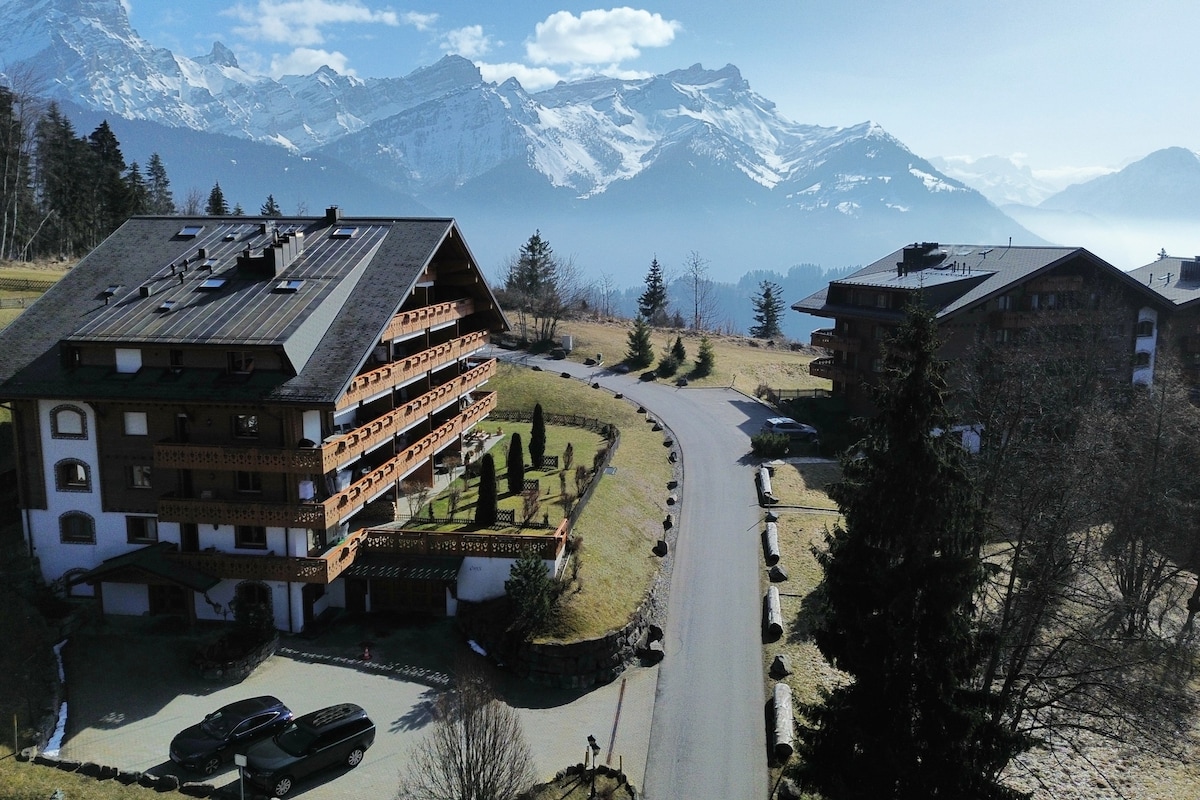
x: 249, y: 482
x: 76, y: 527
x: 881, y: 300
x: 250, y: 536
x: 135, y: 423
x: 1145, y: 327
x: 245, y: 426
x: 1006, y: 302
x: 1141, y: 359
x: 176, y: 359
x: 68, y: 422
x: 128, y: 360
x: 139, y: 476
x: 1004, y: 335
x: 141, y: 529
x: 877, y: 365
x: 241, y: 362
x: 72, y: 476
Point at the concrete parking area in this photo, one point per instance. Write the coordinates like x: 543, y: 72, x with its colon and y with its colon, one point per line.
x: 131, y: 687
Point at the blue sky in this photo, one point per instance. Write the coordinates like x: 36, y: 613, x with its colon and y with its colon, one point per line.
x: 1058, y: 84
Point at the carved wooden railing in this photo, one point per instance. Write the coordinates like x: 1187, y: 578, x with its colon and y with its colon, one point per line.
x: 334, y: 451
x: 293, y: 569
x: 421, y: 319
x: 486, y: 544
x: 392, y: 375
x: 326, y: 514
x: 830, y: 340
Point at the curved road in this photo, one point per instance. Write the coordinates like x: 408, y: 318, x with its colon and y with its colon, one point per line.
x: 708, y: 737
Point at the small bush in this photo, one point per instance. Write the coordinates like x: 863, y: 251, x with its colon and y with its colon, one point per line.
x: 769, y: 445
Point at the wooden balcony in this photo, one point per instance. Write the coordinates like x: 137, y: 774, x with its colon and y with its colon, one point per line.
x: 334, y: 451
x: 395, y: 541
x: 422, y: 319
x: 830, y: 340
x: 292, y: 569
x: 486, y: 544
x: 329, y: 512
x: 826, y: 368
x: 389, y: 376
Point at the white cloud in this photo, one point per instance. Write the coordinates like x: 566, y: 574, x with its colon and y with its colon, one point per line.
x: 598, y: 37
x: 421, y: 22
x: 468, y: 42
x: 532, y: 78
x: 301, y: 22
x: 305, y: 61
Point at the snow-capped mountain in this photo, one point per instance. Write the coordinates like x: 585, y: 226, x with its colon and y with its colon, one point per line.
x: 999, y: 179
x: 690, y: 160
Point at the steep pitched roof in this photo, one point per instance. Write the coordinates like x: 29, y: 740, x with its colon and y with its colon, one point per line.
x: 205, y: 285
x: 955, y: 277
x: 1177, y: 280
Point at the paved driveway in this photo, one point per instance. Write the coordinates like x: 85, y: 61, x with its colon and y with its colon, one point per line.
x: 130, y: 690
x: 708, y: 740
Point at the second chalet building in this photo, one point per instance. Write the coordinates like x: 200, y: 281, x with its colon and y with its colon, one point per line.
x: 204, y: 408
x: 979, y: 294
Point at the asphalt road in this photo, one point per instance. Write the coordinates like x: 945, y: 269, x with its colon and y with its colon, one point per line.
x: 708, y: 736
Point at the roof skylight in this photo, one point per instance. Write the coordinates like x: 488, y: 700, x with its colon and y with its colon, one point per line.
x: 289, y: 285
x: 344, y: 232
x: 190, y: 231
x: 210, y: 285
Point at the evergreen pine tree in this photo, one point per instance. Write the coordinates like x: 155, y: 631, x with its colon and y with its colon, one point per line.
x: 159, y: 187
x: 530, y: 589
x: 768, y: 311
x: 138, y: 192
x: 652, y: 304
x: 678, y: 351
x: 216, y: 206
x: 537, y: 438
x: 485, y: 505
x: 516, y: 465
x: 900, y: 579
x: 641, y: 352
x: 706, y: 359
x: 270, y: 208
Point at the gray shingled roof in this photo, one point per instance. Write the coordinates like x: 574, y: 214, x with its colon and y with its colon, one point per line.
x: 967, y: 275
x: 1164, y: 277
x: 351, y: 288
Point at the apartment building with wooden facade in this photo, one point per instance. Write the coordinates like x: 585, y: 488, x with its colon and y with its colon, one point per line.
x: 205, y: 407
x: 979, y: 294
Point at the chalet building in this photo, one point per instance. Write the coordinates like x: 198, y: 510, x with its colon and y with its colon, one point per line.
x: 1177, y: 281
x: 979, y: 294
x: 207, y: 410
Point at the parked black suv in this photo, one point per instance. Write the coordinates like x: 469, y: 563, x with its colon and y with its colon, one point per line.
x: 228, y: 730
x: 336, y: 735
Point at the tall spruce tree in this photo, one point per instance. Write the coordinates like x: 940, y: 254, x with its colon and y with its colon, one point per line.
x: 896, y: 605
x: 537, y: 437
x: 768, y: 311
x: 270, y: 208
x: 216, y: 205
x: 159, y: 186
x: 515, y: 475
x: 485, y: 505
x: 652, y: 304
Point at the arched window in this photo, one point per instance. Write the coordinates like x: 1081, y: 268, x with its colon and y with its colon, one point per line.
x: 68, y: 422
x: 76, y: 527
x: 72, y: 475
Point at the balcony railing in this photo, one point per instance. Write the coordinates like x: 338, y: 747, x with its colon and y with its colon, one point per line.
x: 826, y: 368
x: 396, y: 373
x: 830, y: 340
x: 334, y: 451
x: 293, y: 569
x: 396, y: 541
x: 422, y: 319
x: 327, y: 513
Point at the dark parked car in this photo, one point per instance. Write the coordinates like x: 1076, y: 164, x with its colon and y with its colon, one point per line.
x: 232, y: 729
x: 336, y: 735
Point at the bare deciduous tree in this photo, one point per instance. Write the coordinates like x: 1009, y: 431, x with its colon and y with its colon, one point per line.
x: 700, y: 288
x: 476, y: 750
